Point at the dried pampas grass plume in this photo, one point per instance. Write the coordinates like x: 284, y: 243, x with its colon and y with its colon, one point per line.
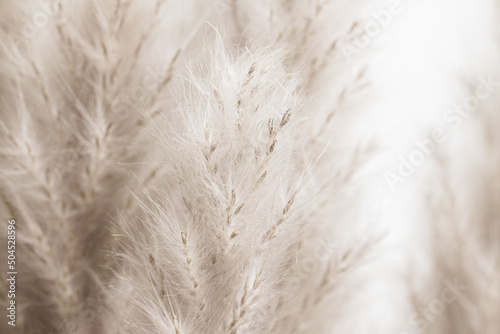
x: 220, y: 166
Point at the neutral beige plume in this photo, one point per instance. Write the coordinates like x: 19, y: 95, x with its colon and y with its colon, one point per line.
x: 250, y: 167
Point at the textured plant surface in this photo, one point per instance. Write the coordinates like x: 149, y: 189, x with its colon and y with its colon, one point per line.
x: 241, y: 167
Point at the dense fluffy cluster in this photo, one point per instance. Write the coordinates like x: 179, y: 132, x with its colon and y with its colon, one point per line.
x: 244, y: 167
